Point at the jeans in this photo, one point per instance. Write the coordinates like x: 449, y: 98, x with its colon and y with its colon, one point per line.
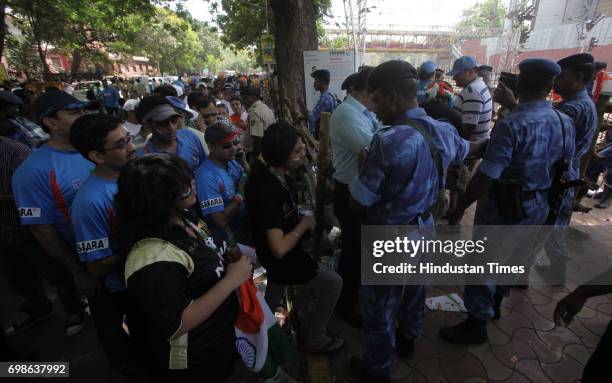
x: 321, y: 300
x: 25, y: 263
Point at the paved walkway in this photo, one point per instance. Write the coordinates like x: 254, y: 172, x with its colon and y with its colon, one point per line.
x: 524, y: 345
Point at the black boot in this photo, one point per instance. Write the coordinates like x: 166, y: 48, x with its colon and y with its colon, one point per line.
x: 358, y: 371
x: 605, y: 199
x: 470, y: 331
x: 404, y: 347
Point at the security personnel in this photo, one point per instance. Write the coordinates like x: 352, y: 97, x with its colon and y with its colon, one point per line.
x: 327, y: 101
x: 527, y: 145
x: 395, y: 191
x: 576, y: 72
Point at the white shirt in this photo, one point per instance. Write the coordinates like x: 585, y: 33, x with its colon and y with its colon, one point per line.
x: 476, y: 106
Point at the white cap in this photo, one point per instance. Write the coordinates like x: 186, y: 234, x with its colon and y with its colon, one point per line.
x: 130, y: 105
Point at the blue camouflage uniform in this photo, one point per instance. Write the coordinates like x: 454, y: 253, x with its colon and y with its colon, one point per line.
x: 398, y: 184
x: 327, y: 103
x: 581, y: 109
x: 525, y: 145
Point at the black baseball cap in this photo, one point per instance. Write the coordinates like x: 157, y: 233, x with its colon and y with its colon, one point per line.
x: 54, y: 100
x: 249, y: 91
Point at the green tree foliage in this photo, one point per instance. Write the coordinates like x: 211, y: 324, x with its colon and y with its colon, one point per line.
x: 488, y: 15
x: 20, y: 53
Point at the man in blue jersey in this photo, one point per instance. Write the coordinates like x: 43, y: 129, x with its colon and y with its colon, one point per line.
x: 157, y: 113
x: 220, y: 182
x: 102, y: 140
x: 44, y: 186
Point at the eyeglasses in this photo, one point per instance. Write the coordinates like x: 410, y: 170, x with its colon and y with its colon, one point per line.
x: 236, y: 142
x: 122, y: 144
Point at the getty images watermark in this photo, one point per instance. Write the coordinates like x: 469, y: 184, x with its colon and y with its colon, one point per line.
x: 392, y: 255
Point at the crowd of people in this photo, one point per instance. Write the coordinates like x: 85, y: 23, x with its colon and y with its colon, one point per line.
x: 141, y: 206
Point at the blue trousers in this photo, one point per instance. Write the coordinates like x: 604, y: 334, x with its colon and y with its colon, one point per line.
x: 380, y: 307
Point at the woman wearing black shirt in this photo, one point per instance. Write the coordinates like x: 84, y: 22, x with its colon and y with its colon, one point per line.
x: 279, y: 231
x: 180, y: 288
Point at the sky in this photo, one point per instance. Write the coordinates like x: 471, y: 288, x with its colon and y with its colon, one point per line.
x: 388, y: 14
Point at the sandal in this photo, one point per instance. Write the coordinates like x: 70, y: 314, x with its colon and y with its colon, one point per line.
x: 332, y: 346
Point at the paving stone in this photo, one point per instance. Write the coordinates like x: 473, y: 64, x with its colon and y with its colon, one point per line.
x: 587, y: 337
x: 577, y: 352
x: 517, y: 377
x: 466, y: 367
x: 587, y: 313
x: 596, y: 325
x: 549, y: 291
x: 416, y: 377
x: 545, y: 351
x: 511, y: 322
x: 401, y: 372
x: 567, y: 370
x: 532, y: 369
x: 430, y: 369
x: 539, y: 322
x: 534, y: 296
x: 475, y: 380
x: 605, y: 308
x: 509, y: 354
x: 446, y: 351
x: 494, y: 369
x: 496, y: 336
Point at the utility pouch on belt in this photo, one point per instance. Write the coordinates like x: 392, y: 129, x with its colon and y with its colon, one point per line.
x: 508, y: 196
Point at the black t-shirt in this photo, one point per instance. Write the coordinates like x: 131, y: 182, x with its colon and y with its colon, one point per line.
x: 272, y: 206
x: 159, y: 292
x: 438, y: 110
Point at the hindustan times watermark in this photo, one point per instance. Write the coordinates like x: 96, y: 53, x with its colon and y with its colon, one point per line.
x: 392, y: 255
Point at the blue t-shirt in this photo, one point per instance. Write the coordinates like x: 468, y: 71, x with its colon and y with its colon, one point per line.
x: 216, y: 187
x: 188, y: 147
x: 96, y: 229
x: 44, y: 187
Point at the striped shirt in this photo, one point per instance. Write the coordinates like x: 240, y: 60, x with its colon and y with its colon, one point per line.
x: 476, y: 107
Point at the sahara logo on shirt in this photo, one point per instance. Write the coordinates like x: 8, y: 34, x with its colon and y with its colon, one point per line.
x: 211, y: 203
x: 93, y: 245
x: 29, y: 212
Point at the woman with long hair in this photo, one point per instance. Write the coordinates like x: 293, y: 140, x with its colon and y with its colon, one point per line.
x: 180, y: 287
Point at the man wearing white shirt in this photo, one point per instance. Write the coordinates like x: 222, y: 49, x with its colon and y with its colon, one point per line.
x: 352, y: 127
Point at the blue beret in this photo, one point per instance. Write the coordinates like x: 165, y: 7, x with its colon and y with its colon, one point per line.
x: 539, y: 67
x: 9, y: 98
x: 578, y: 59
x: 321, y: 74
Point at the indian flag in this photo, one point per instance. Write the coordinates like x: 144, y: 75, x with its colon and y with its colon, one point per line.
x: 260, y: 342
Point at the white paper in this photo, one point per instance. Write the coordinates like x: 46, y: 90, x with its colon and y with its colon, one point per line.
x: 449, y: 302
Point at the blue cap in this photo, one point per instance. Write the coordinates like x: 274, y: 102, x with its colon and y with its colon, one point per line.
x: 180, y: 105
x: 428, y: 67
x: 539, y: 67
x: 54, y: 100
x: 462, y: 64
x: 7, y: 97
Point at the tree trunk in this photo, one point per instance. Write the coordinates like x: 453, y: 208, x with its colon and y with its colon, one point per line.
x: 76, y: 62
x: 43, y: 60
x: 295, y: 32
x: 2, y: 27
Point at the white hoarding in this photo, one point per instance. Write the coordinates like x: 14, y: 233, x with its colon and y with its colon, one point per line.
x: 340, y: 65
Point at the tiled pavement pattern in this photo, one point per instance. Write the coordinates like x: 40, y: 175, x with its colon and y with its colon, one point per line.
x: 524, y: 345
